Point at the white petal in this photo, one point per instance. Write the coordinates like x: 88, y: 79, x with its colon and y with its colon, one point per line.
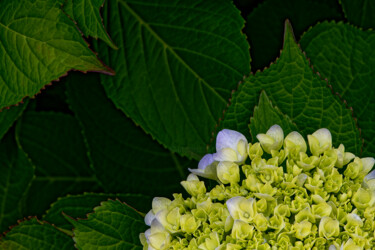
x: 277, y: 133
x: 226, y: 154
x: 370, y: 176
x: 192, y: 177
x: 332, y: 247
x: 159, y: 203
x: 209, y: 172
x: 150, y: 216
x: 157, y: 227
x: 324, y: 137
x: 297, y: 139
x: 233, y: 205
x: 227, y: 138
x: 368, y: 163
x: 205, y: 161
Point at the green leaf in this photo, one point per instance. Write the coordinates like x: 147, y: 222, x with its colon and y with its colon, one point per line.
x: 77, y: 206
x: 38, y: 44
x: 87, y: 15
x: 54, y: 143
x: 346, y: 56
x: 265, y: 116
x: 299, y: 93
x: 15, y: 178
x: 9, y: 116
x: 265, y: 23
x: 124, y: 158
x: 359, y: 12
x: 33, y: 234
x: 113, y: 225
x: 176, y: 66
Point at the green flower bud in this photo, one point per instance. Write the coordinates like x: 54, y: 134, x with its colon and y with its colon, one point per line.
x: 228, y: 172
x: 333, y: 182
x: 272, y: 140
x: 329, y: 228
x: 307, y: 163
x: 353, y: 221
x: 354, y: 168
x: 193, y: 186
x: 157, y: 237
x: 188, y: 223
x: 363, y: 198
x: 260, y: 222
x: 242, y: 230
x: 276, y: 222
x: 350, y: 245
x: 343, y: 157
x: 294, y: 143
x: 211, y: 242
x: 255, y: 150
x: 252, y: 182
x: 321, y: 210
x: 282, y: 210
x: 302, y: 229
x: 305, y: 214
x: 261, y: 205
x: 241, y: 208
x: 320, y: 141
x: 170, y: 219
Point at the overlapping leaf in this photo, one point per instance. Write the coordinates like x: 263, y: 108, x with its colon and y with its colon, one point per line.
x: 33, y: 234
x: 359, y: 12
x: 38, y: 44
x: 264, y: 27
x: 54, y: 143
x: 124, y: 158
x: 176, y: 66
x: 265, y: 116
x: 9, y: 116
x: 346, y: 56
x: 299, y: 93
x: 16, y: 174
x: 87, y: 15
x: 77, y: 206
x: 113, y: 225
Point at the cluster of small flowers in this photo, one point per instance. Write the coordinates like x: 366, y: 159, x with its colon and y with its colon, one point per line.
x: 291, y: 200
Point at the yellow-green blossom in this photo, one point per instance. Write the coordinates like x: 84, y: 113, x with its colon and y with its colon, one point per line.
x: 272, y: 140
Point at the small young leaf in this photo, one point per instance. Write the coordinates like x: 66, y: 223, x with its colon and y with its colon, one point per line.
x: 77, y: 206
x: 300, y: 93
x: 15, y: 178
x: 264, y: 27
x: 359, y: 12
x: 345, y: 55
x: 87, y: 15
x: 265, y: 115
x: 38, y: 44
x: 33, y: 234
x: 177, y: 64
x: 113, y: 225
x: 54, y: 143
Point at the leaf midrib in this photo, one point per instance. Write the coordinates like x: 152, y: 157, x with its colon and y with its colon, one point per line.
x: 167, y: 46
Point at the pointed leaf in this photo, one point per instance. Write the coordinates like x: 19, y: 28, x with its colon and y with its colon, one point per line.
x: 359, y: 12
x: 77, y: 206
x: 124, y: 158
x: 33, y: 234
x: 9, y: 116
x: 346, y: 56
x: 15, y: 179
x: 38, y: 44
x: 299, y: 93
x: 54, y: 143
x: 87, y: 15
x: 113, y: 225
x: 265, y: 116
x: 265, y: 23
x: 177, y: 64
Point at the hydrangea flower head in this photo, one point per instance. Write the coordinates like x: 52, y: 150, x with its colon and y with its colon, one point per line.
x: 284, y: 199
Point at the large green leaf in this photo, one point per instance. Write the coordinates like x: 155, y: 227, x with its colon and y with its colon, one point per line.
x: 38, y: 44
x: 298, y: 92
x: 9, y: 116
x: 346, y: 56
x: 15, y: 178
x: 359, y: 12
x: 54, y: 143
x: 264, y: 28
x: 265, y: 116
x: 113, y: 225
x: 124, y: 158
x: 77, y: 206
x: 176, y: 66
x: 33, y: 234
x: 87, y: 15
